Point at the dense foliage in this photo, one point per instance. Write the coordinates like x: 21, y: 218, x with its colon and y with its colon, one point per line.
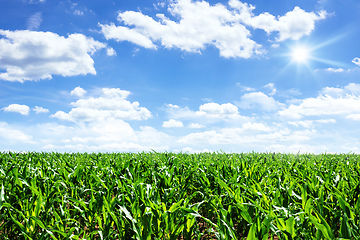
x: 179, y: 196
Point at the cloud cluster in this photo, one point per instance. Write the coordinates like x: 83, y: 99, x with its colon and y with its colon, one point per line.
x: 24, y: 109
x: 333, y: 101
x: 31, y: 55
x: 99, y: 122
x: 112, y: 104
x: 199, y: 24
x: 208, y: 112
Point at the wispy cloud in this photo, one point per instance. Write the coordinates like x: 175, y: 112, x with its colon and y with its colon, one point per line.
x: 356, y: 61
x: 34, y: 21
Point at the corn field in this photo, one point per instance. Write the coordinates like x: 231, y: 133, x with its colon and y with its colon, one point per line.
x: 179, y: 196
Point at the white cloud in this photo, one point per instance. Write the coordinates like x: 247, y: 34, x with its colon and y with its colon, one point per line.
x: 30, y: 55
x: 297, y: 23
x: 9, y: 133
x: 271, y: 86
x: 18, y: 108
x: 293, y: 25
x: 335, y: 70
x: 195, y: 125
x: 110, y: 52
x: 37, y: 1
x: 200, y: 24
x: 78, y: 91
x: 323, y: 105
x: 310, y: 123
x: 356, y: 61
x: 125, y: 34
x: 78, y: 12
x: 256, y: 127
x: 350, y: 89
x: 34, y: 21
x: 245, y: 88
x: 172, y: 124
x: 208, y: 112
x: 114, y: 135
x: 40, y: 110
x: 112, y: 104
x: 258, y: 100
x: 215, y: 110
x: 355, y: 117
x: 256, y: 135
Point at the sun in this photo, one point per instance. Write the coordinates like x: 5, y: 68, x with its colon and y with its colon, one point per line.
x: 300, y: 54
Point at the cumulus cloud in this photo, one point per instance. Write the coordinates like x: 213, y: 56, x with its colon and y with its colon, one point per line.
x: 112, y: 104
x: 355, y: 117
x: 207, y: 112
x: 350, y: 89
x: 250, y: 134
x: 215, y: 110
x: 172, y: 124
x: 297, y: 23
x: 198, y: 24
x: 195, y: 125
x: 259, y: 100
x: 9, y: 133
x: 322, y: 106
x: 34, y: 21
x: 310, y: 123
x: 78, y: 91
x: 110, y: 52
x: 271, y: 86
x: 18, y: 108
x: 113, y: 135
x: 31, y: 55
x: 335, y: 70
x: 356, y: 61
x: 40, y: 110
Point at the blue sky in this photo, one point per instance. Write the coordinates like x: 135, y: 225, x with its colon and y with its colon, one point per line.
x: 180, y: 75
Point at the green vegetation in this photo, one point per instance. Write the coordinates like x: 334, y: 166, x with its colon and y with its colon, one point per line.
x: 179, y: 196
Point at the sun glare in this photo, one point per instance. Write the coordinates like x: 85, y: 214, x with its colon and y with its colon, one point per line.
x: 300, y: 54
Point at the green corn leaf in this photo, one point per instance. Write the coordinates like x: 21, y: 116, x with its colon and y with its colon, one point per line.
x: 345, y: 229
x: 51, y: 234
x: 22, y: 228
x: 320, y: 227
x: 280, y: 223
x: 2, y: 196
x: 252, y: 233
x: 38, y: 204
x: 290, y: 226
x: 308, y: 206
x: 189, y: 223
x: 175, y: 206
x: 328, y: 228
x: 38, y: 221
